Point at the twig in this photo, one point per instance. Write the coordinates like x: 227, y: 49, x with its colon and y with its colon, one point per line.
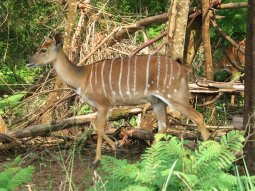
x: 217, y: 97
x: 98, y: 46
x: 42, y: 112
x: 148, y: 43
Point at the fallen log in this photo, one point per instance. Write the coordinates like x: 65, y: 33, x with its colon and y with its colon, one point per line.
x: 211, y: 87
x: 44, y: 129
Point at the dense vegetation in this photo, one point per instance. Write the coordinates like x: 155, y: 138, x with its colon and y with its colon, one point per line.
x: 169, y: 165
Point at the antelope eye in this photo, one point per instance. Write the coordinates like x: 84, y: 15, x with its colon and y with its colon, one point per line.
x: 43, y: 50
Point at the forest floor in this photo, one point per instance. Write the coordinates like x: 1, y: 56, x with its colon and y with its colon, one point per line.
x: 63, y: 167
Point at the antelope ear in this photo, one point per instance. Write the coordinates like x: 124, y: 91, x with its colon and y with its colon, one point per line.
x: 58, y: 39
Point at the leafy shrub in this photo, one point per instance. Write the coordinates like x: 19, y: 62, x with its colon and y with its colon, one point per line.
x: 14, y: 176
x: 168, y: 165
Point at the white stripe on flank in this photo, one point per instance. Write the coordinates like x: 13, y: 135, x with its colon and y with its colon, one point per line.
x: 102, y: 77
x: 90, y: 77
x: 158, y: 76
x: 120, y: 77
x: 166, y: 72
x: 147, y: 74
x: 135, y: 76
x: 110, y: 77
x: 96, y: 73
x: 178, y: 74
x: 128, y: 76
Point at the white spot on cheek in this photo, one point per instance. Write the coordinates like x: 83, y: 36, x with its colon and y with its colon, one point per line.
x: 169, y: 96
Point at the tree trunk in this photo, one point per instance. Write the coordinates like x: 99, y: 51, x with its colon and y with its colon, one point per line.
x: 206, y: 39
x: 178, y: 17
x: 49, y: 115
x: 207, y: 52
x: 193, y: 40
x: 249, y: 90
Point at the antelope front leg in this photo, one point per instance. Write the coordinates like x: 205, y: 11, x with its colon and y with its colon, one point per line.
x: 100, y: 124
x: 105, y: 137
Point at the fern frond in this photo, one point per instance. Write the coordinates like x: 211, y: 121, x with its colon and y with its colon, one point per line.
x: 233, y: 140
x: 138, y: 187
x: 6, y: 175
x: 205, y: 169
x: 221, y: 153
x: 154, y: 155
x: 22, y: 176
x: 207, y: 151
x: 190, y: 179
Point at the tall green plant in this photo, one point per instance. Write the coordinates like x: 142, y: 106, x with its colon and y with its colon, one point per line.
x: 168, y: 165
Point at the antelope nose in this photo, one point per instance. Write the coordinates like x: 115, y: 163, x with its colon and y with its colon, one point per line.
x: 29, y: 63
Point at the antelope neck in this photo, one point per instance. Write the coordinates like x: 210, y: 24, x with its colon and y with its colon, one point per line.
x: 71, y: 74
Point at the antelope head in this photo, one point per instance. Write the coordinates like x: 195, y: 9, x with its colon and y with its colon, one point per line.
x: 47, y: 53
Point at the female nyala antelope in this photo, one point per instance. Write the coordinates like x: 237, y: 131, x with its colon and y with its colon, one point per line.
x: 124, y: 81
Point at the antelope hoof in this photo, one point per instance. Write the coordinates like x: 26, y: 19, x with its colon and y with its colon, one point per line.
x: 95, y: 164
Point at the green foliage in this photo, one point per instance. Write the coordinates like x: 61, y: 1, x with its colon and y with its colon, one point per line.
x: 133, y: 121
x: 222, y: 75
x: 155, y: 30
x: 23, y: 26
x: 85, y: 109
x: 14, y: 176
x: 234, y: 21
x: 168, y: 165
x: 126, y: 7
x: 8, y: 102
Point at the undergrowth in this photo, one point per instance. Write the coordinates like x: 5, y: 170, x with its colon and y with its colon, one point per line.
x: 14, y: 176
x: 170, y: 165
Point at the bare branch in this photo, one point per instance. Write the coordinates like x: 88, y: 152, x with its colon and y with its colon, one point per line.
x: 227, y: 37
x: 233, y: 5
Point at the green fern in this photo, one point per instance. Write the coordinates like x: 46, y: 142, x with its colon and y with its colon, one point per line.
x: 15, y: 176
x: 168, y: 165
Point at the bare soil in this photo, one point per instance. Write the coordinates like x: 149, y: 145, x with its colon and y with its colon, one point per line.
x: 59, y: 165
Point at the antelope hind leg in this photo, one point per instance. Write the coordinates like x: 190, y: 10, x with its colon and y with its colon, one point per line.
x: 159, y: 109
